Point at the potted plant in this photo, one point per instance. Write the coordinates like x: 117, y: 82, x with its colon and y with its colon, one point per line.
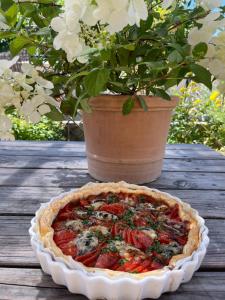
x: 116, y: 61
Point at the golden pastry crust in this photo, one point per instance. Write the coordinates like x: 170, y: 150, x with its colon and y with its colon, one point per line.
x: 46, y: 216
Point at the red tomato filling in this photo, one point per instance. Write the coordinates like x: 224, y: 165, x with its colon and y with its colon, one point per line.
x: 121, y: 234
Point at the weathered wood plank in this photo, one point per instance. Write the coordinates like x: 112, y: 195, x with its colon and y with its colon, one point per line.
x: 34, y: 284
x: 26, y: 200
x: 71, y: 144
x: 16, y: 250
x: 80, y: 152
x: 77, y: 178
x: 54, y: 162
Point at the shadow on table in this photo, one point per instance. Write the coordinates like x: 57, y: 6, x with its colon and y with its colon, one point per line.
x: 48, y: 290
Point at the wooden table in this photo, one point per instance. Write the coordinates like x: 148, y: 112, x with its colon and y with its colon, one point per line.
x: 32, y: 172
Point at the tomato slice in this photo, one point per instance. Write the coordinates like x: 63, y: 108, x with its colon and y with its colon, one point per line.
x: 107, y: 260
x: 118, y: 228
x: 67, y: 215
x: 155, y: 266
x: 85, y: 256
x: 138, y: 221
x: 58, y: 225
x: 90, y: 261
x: 137, y: 238
x: 63, y: 236
x: 142, y: 266
x: 182, y: 240
x: 84, y: 202
x: 114, y: 208
x: 69, y: 249
x: 144, y: 240
x: 164, y: 237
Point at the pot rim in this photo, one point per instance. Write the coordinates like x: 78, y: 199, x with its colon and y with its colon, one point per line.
x: 108, y: 102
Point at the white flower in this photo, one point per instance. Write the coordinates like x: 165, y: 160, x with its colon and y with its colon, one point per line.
x: 114, y: 13
x: 29, y: 70
x: 138, y: 11
x: 44, y: 109
x: 6, y: 64
x: 210, y: 4
x: 8, y: 96
x: 67, y: 38
x: 5, y: 128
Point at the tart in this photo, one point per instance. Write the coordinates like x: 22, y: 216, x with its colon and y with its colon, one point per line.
x: 119, y: 229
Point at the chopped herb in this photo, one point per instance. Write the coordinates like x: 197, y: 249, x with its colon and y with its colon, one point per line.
x: 85, y: 222
x: 90, y: 211
x: 155, y: 247
x: 142, y: 198
x: 110, y: 248
x: 99, y: 235
x: 113, y: 248
x: 118, y: 238
x: 112, y: 198
x: 122, y: 261
x: 154, y: 225
x: 128, y: 215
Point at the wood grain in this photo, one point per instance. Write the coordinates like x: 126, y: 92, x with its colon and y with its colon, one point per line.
x: 26, y: 200
x: 77, y: 178
x: 55, y: 162
x: 16, y: 250
x: 71, y: 144
x: 80, y: 152
x: 33, y: 284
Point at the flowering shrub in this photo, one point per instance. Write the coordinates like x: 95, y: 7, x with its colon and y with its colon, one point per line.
x: 199, y: 117
x: 131, y: 47
x: 28, y: 92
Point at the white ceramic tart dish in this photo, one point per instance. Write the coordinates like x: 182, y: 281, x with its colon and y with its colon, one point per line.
x: 96, y: 281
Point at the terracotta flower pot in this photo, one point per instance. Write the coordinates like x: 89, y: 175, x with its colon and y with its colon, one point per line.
x: 130, y: 147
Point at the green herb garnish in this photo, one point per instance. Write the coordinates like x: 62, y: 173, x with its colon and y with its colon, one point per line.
x: 155, y: 247
x: 112, y: 198
x: 85, y: 222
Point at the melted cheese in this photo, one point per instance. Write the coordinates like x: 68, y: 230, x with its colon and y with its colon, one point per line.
x: 102, y: 229
x: 96, y: 205
x: 86, y: 242
x: 151, y: 233
x: 129, y: 201
x: 126, y: 250
x: 102, y: 215
x: 74, y: 225
x: 81, y: 213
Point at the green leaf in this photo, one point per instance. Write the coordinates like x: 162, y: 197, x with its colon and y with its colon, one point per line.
x: 7, y: 35
x: 54, y: 114
x: 175, y: 57
x: 5, y: 4
x: 161, y: 93
x: 129, y: 47
x: 11, y: 15
x: 73, y: 77
x: 85, y: 105
x: 200, y: 50
x: 68, y: 106
x: 128, y: 105
x: 95, y: 81
x: 142, y: 102
x: 202, y: 75
x: 18, y: 44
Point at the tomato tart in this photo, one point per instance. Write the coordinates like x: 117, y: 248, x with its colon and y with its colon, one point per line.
x: 119, y: 228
